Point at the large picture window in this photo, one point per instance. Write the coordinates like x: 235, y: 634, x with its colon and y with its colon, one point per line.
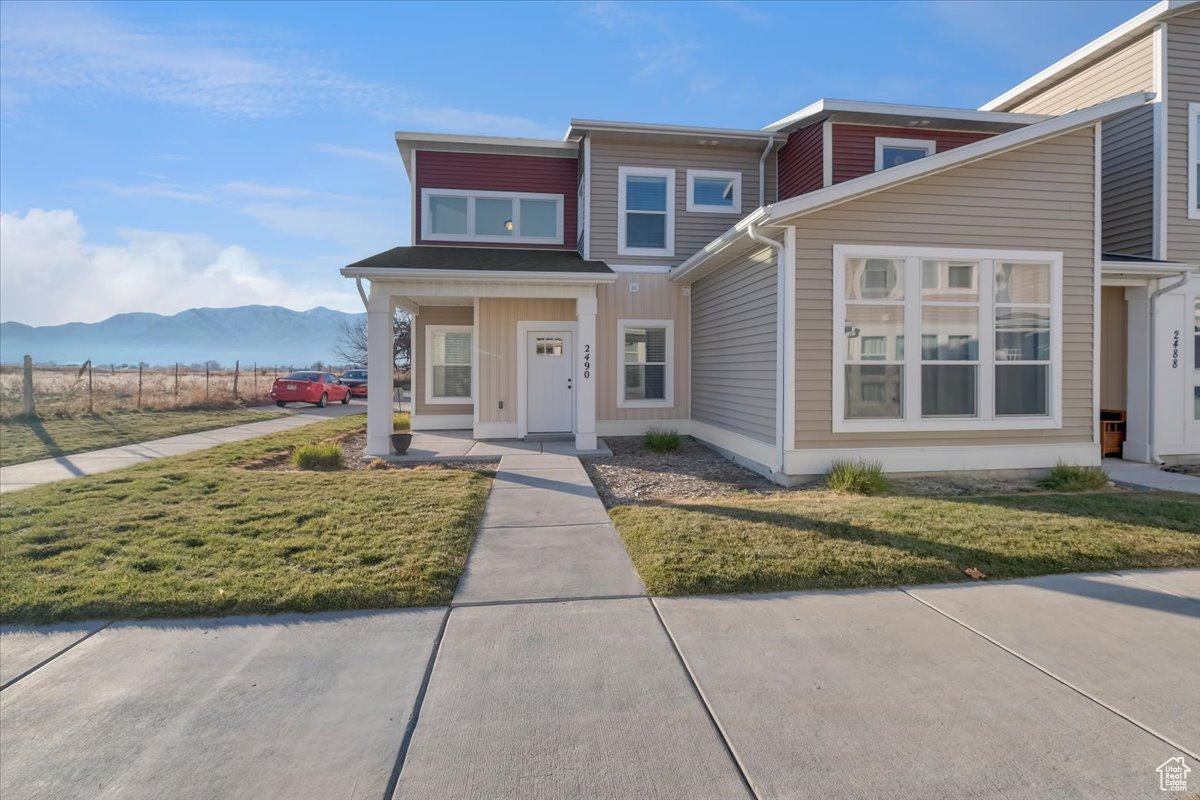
x: 645, y: 211
x: 988, y: 327
x: 448, y: 364
x: 456, y: 215
x: 646, y: 358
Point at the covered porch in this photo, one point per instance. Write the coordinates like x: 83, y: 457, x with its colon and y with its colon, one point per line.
x: 503, y: 344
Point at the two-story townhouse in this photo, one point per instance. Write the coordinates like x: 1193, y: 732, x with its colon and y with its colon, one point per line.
x: 756, y: 288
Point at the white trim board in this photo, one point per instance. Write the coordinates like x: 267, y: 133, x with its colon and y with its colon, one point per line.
x: 639, y: 427
x: 947, y: 458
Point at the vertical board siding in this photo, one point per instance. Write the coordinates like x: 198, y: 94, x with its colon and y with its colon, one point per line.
x: 434, y: 315
x: 497, y: 172
x: 656, y: 298
x: 1039, y: 197
x: 1183, y: 87
x: 854, y: 145
x: 734, y: 324
x: 1127, y: 193
x: 1113, y: 344
x: 1125, y: 71
x: 498, y: 317
x: 802, y: 161
x: 692, y: 230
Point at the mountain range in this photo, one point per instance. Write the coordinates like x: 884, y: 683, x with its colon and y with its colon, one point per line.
x: 263, y: 334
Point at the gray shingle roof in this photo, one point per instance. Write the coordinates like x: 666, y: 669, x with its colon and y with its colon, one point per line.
x: 484, y: 259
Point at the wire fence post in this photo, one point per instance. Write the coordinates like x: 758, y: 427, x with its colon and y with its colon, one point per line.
x: 139, y: 405
x: 236, y: 370
x: 176, y: 381
x: 206, y: 375
x: 90, y: 406
x: 27, y: 408
x: 256, y: 381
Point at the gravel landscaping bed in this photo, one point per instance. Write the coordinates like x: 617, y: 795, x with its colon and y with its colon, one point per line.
x: 633, y: 474
x: 354, y: 449
x: 1184, y: 469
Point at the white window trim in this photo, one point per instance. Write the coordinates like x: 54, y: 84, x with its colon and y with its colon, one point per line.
x: 703, y: 208
x: 928, y: 145
x: 626, y: 172
x: 430, y: 331
x: 1193, y: 211
x: 427, y: 233
x: 985, y: 385
x: 669, y: 389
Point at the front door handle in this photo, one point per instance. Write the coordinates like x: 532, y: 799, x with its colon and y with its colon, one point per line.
x: 568, y: 383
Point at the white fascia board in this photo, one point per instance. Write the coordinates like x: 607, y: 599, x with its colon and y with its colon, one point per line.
x: 419, y: 137
x: 829, y: 106
x: 581, y: 126
x: 718, y: 244
x: 1155, y: 269
x: 1116, y: 37
x: 480, y: 275
x: 922, y: 167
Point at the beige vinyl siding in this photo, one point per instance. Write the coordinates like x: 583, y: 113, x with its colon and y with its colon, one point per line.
x: 1039, y: 197
x: 692, y: 230
x: 734, y: 324
x: 498, y: 317
x: 655, y: 298
x: 1113, y: 344
x: 1125, y: 71
x: 1183, y: 87
x: 1127, y: 196
x: 434, y: 315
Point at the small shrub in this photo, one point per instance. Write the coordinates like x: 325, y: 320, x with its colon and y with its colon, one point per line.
x: 1073, y: 478
x: 323, y: 455
x: 857, y: 477
x: 379, y: 463
x: 661, y: 440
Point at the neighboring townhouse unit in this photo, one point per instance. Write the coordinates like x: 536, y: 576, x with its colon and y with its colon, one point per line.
x: 933, y: 288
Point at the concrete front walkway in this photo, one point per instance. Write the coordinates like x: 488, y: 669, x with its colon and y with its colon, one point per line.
x: 49, y: 470
x: 1146, y: 476
x: 433, y: 446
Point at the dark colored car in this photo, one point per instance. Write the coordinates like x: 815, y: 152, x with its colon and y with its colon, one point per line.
x: 356, y: 379
x: 307, y: 386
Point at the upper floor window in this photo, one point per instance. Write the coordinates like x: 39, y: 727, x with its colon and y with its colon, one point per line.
x: 1193, y: 161
x: 894, y: 152
x: 645, y: 211
x: 460, y: 215
x: 714, y: 192
x: 989, y: 327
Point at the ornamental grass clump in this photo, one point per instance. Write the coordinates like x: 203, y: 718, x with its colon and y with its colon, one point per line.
x: 857, y: 477
x: 1073, y: 478
x: 322, y: 456
x: 661, y: 440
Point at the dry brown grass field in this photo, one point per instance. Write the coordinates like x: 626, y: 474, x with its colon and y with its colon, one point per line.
x: 63, y: 390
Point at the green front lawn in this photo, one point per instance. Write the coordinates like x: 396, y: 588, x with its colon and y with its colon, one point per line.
x: 24, y: 440
x: 821, y: 540
x: 199, y: 534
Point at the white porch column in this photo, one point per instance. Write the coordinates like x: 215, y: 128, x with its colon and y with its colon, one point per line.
x: 1137, y: 367
x: 380, y: 367
x: 585, y: 372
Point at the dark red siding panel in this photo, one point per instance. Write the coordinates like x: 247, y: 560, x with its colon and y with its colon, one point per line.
x: 854, y: 145
x: 497, y: 172
x: 802, y: 162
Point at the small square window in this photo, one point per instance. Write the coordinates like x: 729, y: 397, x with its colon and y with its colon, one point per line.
x: 448, y: 214
x: 714, y: 192
x: 890, y: 152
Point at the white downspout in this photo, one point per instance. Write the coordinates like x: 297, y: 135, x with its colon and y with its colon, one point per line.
x: 1150, y: 433
x: 362, y: 293
x: 780, y: 341
x: 762, y: 172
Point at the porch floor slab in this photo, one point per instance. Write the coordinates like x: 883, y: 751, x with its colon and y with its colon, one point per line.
x: 433, y: 446
x: 1147, y: 476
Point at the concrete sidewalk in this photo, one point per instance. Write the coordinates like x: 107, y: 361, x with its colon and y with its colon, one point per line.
x: 50, y: 470
x: 1147, y: 476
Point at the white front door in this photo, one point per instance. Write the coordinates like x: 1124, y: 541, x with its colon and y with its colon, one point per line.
x: 551, y: 375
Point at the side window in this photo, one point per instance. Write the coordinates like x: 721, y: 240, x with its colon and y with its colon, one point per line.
x: 890, y: 152
x: 646, y: 356
x: 714, y: 192
x: 645, y: 211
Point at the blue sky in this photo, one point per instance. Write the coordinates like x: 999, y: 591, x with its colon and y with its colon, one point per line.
x: 156, y: 157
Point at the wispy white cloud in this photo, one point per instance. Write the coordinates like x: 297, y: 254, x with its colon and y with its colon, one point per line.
x: 156, y: 189
x: 745, y: 11
x: 80, y: 47
x: 47, y: 254
x: 390, y: 159
x: 362, y: 231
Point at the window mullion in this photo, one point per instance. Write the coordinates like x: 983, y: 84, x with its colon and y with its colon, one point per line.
x: 912, y: 339
x: 986, y: 378
x: 515, y: 216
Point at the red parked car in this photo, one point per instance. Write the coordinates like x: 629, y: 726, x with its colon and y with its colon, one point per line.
x: 306, y: 386
x: 356, y: 379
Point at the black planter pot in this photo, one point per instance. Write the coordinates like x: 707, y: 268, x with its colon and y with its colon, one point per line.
x: 400, y: 443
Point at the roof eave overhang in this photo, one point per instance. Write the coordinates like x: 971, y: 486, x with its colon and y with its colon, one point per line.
x: 580, y: 127
x: 783, y: 211
x: 477, y: 275
x: 1112, y: 40
x: 1147, y: 270
x: 827, y: 107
